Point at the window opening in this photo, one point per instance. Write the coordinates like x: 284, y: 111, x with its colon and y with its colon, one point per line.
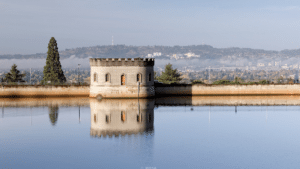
x: 149, y: 118
x: 139, y: 118
x: 95, y: 118
x: 139, y: 78
x: 107, y: 77
x: 123, y: 80
x: 123, y: 116
x: 107, y: 119
x: 150, y: 77
x: 95, y: 77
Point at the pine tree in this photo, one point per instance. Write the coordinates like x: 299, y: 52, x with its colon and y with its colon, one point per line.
x: 14, y: 75
x: 52, y: 71
x: 170, y: 75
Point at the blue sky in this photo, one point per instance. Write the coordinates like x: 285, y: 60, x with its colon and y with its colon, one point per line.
x: 27, y: 26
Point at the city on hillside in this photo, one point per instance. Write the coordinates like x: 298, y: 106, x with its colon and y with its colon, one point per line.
x: 196, y: 62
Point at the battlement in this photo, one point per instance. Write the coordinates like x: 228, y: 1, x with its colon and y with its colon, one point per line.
x: 105, y: 62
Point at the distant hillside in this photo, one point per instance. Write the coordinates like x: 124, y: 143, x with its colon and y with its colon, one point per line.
x: 202, y: 51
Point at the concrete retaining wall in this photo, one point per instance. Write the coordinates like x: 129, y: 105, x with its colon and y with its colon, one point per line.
x: 44, y: 91
x: 162, y: 90
x: 272, y: 89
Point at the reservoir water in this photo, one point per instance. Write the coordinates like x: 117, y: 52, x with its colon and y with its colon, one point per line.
x: 186, y: 132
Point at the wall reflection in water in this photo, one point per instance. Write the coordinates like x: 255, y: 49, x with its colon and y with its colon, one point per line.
x: 119, y: 117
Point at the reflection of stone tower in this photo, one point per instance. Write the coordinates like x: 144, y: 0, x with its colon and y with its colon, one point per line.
x: 120, y: 117
x: 122, y: 77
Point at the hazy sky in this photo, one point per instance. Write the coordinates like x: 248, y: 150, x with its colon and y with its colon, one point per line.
x: 26, y: 26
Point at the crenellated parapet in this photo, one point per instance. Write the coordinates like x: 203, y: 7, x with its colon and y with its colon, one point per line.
x: 141, y: 62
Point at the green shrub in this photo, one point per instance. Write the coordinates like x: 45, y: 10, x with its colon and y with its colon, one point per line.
x: 218, y: 82
x: 197, y: 82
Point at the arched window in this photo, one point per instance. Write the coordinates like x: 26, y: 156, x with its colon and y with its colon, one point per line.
x: 149, y: 77
x: 95, y: 77
x: 123, y: 116
x: 107, y: 77
x: 107, y: 118
x: 139, y: 77
x: 123, y: 80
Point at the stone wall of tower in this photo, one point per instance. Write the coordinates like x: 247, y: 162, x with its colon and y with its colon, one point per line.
x: 106, y: 78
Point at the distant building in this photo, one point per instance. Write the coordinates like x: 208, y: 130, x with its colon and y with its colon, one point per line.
x: 291, y: 77
x: 285, y: 66
x: 153, y: 55
x: 177, y: 56
x: 260, y: 64
x: 295, y: 66
x: 149, y: 56
x: 189, y: 55
x: 157, y: 54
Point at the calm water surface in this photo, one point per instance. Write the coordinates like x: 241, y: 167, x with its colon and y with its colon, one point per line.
x: 140, y: 134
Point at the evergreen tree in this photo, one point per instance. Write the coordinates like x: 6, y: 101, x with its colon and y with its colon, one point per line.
x: 170, y: 75
x: 14, y: 75
x: 52, y: 71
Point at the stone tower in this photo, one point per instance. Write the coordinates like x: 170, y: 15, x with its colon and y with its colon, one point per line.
x: 122, y: 77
